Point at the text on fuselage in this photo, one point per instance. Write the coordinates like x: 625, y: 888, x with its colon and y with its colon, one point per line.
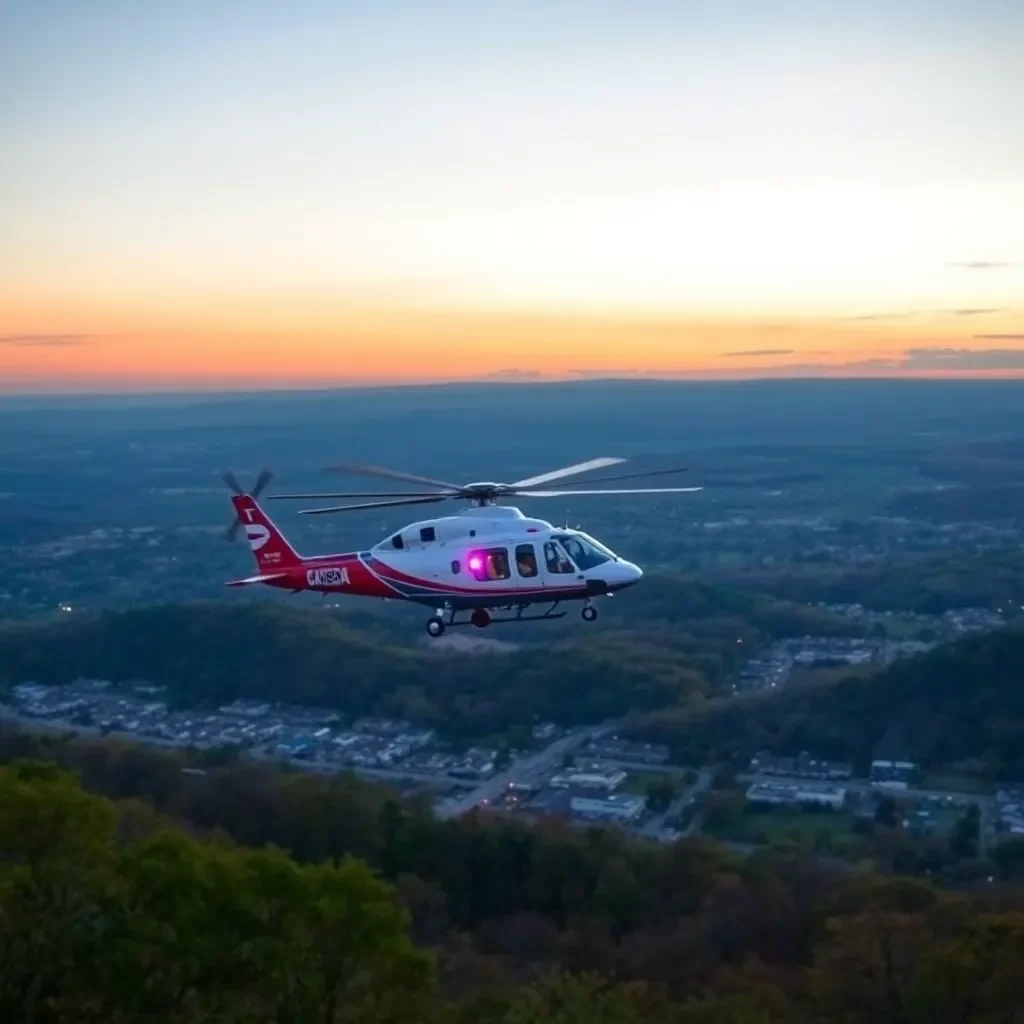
x: 327, y: 577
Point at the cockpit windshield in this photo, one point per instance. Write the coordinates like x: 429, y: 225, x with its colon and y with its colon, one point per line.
x: 583, y: 550
x: 597, y: 544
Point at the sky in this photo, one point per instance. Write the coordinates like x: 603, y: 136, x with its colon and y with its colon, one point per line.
x: 215, y: 194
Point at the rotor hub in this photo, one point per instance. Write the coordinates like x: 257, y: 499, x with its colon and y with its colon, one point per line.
x: 484, y: 492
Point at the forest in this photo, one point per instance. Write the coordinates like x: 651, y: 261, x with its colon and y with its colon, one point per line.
x: 131, y: 890
x: 960, y: 704
x: 926, y: 583
x: 680, y: 643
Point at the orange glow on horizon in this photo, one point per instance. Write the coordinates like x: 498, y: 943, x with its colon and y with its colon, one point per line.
x: 342, y: 342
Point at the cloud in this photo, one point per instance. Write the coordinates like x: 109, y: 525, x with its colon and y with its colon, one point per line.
x: 976, y: 312
x: 758, y: 352
x: 963, y: 358
x: 906, y: 314
x: 44, y: 340
x: 999, y: 337
x: 981, y: 264
x: 881, y: 316
x: 605, y: 373
x: 513, y: 374
x: 923, y: 359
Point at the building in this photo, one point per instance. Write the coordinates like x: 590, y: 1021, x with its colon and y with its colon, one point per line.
x: 544, y: 730
x: 616, y: 806
x: 592, y: 776
x: 597, y: 778
x: 549, y: 801
x: 477, y: 762
x: 896, y: 775
x: 616, y: 749
x: 383, y: 726
x: 891, y: 767
x: 246, y: 708
x: 822, y: 793
x: 30, y: 692
x: 802, y: 766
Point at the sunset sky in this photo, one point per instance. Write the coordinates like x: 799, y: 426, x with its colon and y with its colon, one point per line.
x: 215, y: 194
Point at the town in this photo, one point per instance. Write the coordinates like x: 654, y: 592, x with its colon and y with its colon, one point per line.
x: 771, y: 668
x: 586, y: 776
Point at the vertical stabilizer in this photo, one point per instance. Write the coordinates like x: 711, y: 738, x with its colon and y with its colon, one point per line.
x: 269, y: 546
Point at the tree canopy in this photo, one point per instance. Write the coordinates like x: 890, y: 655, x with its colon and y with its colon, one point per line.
x: 960, y: 701
x: 123, y: 914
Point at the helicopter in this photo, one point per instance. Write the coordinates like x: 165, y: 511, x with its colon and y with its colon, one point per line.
x: 485, y: 559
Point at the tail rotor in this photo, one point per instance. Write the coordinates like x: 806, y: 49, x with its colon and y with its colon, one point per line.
x: 231, y: 480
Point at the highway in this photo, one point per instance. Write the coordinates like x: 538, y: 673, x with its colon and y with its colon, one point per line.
x: 525, y: 770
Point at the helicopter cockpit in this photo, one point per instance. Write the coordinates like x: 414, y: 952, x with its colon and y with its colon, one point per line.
x: 585, y: 552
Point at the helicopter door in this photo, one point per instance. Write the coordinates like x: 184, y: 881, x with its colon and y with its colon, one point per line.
x: 558, y: 567
x: 528, y: 575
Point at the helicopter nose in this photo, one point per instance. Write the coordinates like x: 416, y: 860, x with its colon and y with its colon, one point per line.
x: 632, y: 572
x: 626, y: 575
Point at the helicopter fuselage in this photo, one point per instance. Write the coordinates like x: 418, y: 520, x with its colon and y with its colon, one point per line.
x: 486, y: 557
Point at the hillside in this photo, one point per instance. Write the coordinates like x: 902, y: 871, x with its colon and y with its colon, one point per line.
x: 165, y: 903
x: 209, y: 653
x: 961, y: 701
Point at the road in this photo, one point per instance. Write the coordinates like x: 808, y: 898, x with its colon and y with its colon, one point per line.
x: 525, y: 770
x: 537, y: 768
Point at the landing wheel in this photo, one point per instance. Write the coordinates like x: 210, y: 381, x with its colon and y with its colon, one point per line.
x: 481, y: 618
x: 435, y: 625
x: 589, y: 613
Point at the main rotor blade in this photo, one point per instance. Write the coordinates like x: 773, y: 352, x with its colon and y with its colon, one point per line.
x: 232, y: 481
x: 558, y: 474
x: 625, y: 490
x: 232, y: 531
x: 372, y: 504
x: 363, y: 494
x: 632, y: 476
x: 261, y: 481
x: 392, y: 474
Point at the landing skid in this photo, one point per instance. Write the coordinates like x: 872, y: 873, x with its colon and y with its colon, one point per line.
x: 437, y: 624
x: 514, y: 618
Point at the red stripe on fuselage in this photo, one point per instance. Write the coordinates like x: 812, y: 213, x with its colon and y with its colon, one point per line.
x: 349, y: 574
x: 389, y: 571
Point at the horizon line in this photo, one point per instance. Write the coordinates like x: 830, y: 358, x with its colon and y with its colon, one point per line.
x: 243, y: 390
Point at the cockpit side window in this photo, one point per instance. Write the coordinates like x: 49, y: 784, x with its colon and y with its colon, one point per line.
x: 397, y: 542
x: 555, y: 558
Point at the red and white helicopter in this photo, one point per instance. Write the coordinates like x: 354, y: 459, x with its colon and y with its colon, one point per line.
x: 488, y: 557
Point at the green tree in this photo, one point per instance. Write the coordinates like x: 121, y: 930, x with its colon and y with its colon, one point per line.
x: 967, y: 833
x: 887, y: 813
x: 56, y: 873
x: 865, y: 970
x: 1008, y: 857
x: 661, y: 791
x: 357, y: 946
x: 724, y: 810
x: 974, y: 977
x: 183, y: 928
x: 575, y: 999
